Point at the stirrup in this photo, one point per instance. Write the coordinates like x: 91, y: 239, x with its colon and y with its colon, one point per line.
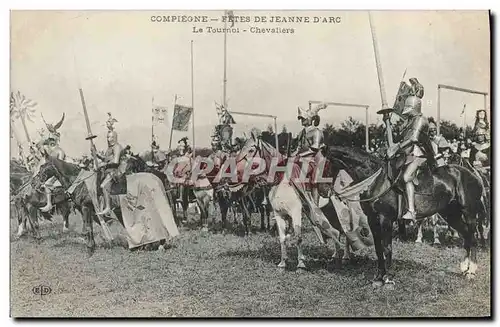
x: 105, y: 211
x: 410, y: 215
x: 46, y: 208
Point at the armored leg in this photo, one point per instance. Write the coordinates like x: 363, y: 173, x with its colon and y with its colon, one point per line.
x: 48, y: 206
x: 408, y: 177
x: 106, y: 191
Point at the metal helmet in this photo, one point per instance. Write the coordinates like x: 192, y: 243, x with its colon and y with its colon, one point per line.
x: 412, y: 103
x: 112, y: 137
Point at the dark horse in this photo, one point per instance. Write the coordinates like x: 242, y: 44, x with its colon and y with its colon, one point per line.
x: 29, y: 197
x: 67, y: 173
x: 452, y: 191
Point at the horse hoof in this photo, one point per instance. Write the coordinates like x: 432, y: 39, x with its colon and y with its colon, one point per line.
x: 301, y: 266
x: 377, y: 283
x: 418, y: 240
x: 90, y: 252
x: 282, y: 265
x: 161, y: 248
x: 65, y: 229
x: 437, y: 242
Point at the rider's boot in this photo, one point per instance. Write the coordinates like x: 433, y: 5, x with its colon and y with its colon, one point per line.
x: 410, y: 193
x: 48, y: 206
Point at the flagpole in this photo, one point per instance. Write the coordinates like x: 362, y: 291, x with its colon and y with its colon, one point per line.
x: 225, y: 62
x: 465, y: 118
x: 152, y: 127
x: 192, y: 96
x: 172, y: 125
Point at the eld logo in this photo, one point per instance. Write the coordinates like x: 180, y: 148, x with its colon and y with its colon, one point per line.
x: 41, y: 290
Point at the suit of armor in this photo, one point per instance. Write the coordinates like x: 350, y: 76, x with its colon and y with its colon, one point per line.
x: 113, y: 165
x: 310, y: 144
x: 416, y: 146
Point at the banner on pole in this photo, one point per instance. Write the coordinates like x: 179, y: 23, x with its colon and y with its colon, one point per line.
x: 182, y: 115
x: 160, y: 114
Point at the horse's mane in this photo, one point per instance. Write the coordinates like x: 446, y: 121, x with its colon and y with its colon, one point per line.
x: 357, y: 157
x: 68, y: 168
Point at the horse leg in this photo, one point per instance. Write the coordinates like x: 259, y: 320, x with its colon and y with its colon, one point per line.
x: 387, y: 241
x: 346, y: 257
x: 65, y: 211
x: 89, y: 233
x: 246, y: 215
x: 376, y: 229
x: 419, y: 233
x: 455, y: 219
x: 296, y: 215
x: 281, y: 224
x: 434, y: 222
x: 262, y: 219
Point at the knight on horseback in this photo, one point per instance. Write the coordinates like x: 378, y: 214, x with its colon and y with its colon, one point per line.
x: 53, y: 150
x: 112, y: 164
x: 414, y: 145
x: 439, y: 144
x: 310, y: 144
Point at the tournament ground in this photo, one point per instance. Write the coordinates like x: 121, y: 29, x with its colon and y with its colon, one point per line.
x: 215, y: 275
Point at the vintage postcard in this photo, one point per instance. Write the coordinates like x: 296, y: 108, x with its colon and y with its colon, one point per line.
x: 231, y: 163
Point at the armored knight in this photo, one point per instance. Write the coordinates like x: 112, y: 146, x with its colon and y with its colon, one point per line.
x: 480, y: 153
x: 439, y: 144
x: 310, y: 144
x: 53, y: 150
x: 415, y: 145
x: 113, y: 165
x: 53, y: 129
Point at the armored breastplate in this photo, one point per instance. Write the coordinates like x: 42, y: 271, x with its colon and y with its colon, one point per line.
x: 311, y: 137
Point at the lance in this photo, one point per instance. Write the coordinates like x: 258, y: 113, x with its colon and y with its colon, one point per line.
x: 90, y: 136
x: 385, y: 111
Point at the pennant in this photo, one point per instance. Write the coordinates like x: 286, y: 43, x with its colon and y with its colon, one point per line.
x: 463, y: 111
x: 160, y: 114
x: 182, y: 115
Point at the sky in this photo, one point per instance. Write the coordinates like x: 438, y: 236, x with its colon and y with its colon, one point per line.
x: 125, y: 63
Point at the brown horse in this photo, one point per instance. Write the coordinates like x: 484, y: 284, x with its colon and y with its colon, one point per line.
x: 452, y: 191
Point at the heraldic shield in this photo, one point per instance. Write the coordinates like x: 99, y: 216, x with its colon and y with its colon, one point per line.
x: 225, y: 133
x: 405, y: 90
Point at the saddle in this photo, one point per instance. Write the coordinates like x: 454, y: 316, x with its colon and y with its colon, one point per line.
x: 118, y: 183
x: 423, y: 176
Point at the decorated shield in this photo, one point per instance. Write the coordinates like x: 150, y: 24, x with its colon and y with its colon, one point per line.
x: 403, y: 92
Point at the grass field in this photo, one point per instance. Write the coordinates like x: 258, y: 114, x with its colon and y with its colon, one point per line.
x: 215, y: 275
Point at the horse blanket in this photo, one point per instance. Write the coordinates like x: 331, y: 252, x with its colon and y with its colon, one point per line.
x: 351, y: 217
x: 147, y: 216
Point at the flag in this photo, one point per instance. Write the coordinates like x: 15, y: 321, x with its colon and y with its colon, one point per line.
x: 230, y: 15
x: 463, y: 111
x: 160, y: 114
x: 182, y: 115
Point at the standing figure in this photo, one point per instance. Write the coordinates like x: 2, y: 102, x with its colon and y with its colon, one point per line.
x: 415, y: 145
x: 113, y: 165
x: 53, y: 150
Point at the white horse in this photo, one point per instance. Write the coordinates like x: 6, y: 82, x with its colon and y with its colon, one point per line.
x: 287, y: 204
